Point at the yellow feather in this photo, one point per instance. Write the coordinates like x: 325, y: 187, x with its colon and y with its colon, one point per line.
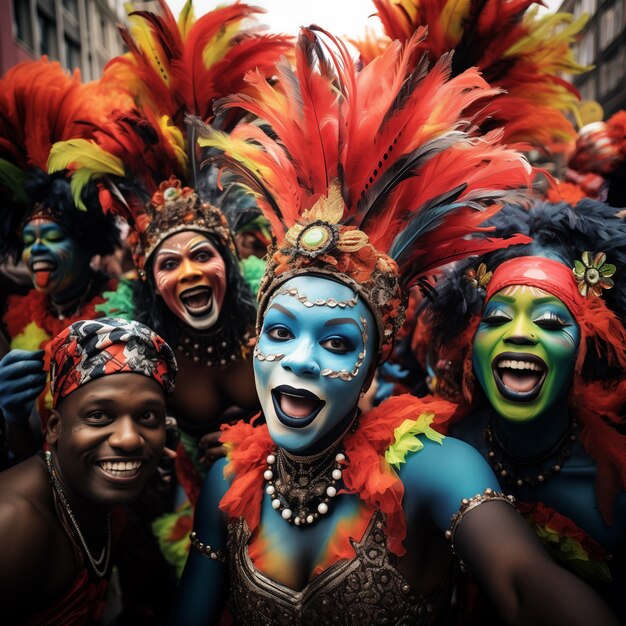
x: 86, y: 159
x: 142, y: 35
x: 186, y: 19
x: 176, y: 139
x: 216, y: 48
x: 452, y: 17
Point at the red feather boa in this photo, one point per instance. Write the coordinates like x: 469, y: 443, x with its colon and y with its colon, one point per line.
x: 367, y: 473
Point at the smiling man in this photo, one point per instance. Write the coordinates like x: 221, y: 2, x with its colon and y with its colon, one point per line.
x: 106, y: 434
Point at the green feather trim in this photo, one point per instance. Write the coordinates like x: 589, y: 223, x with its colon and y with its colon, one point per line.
x: 119, y: 303
x: 406, y: 440
x: 253, y: 269
x: 168, y: 529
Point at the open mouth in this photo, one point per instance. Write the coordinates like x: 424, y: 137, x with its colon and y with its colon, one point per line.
x: 198, y: 300
x: 42, y: 270
x: 121, y: 470
x: 519, y: 376
x: 296, y: 408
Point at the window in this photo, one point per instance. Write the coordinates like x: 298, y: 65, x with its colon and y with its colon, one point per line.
x: 613, y: 72
x: 589, y: 7
x: 72, y: 54
x: 71, y: 6
x: 586, y: 52
x: 22, y: 22
x: 611, y: 23
x: 47, y: 35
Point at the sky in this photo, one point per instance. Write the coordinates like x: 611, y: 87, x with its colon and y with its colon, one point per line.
x: 341, y: 17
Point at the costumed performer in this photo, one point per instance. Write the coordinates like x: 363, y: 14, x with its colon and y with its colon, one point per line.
x: 190, y: 288
x: 532, y: 341
x: 41, y: 223
x: 58, y: 522
x: 322, y: 515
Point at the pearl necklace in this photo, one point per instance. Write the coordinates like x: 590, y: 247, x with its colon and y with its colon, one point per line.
x: 300, y: 488
x: 106, y: 549
x: 503, y: 461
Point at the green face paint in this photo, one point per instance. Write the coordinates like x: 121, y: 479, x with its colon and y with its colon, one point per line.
x: 524, y: 352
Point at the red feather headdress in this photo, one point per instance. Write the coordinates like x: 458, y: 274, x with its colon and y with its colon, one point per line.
x: 372, y: 177
x: 40, y: 104
x: 516, y: 51
x: 147, y: 153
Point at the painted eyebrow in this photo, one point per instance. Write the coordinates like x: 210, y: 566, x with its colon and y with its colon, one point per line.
x: 283, y: 310
x: 505, y: 299
x: 342, y: 320
x: 546, y: 299
x: 199, y: 243
x: 168, y: 251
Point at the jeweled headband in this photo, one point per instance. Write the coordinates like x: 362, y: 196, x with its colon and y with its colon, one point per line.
x: 174, y: 208
x: 319, y: 245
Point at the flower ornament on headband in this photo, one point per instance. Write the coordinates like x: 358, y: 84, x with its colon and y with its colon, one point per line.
x: 479, y: 278
x: 593, y: 274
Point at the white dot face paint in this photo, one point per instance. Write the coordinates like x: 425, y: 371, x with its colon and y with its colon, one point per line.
x: 190, y: 276
x: 301, y: 397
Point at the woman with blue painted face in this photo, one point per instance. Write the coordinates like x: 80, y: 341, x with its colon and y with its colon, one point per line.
x: 323, y: 514
x: 533, y: 346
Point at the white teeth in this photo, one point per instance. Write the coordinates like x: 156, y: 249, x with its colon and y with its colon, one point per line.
x: 120, y: 466
x: 42, y: 265
x: 520, y: 365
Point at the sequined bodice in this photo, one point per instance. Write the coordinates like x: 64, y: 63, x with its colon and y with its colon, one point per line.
x: 366, y: 590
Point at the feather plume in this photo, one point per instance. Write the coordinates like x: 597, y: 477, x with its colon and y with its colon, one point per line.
x: 383, y: 134
x: 181, y: 68
x: 515, y: 49
x: 87, y: 159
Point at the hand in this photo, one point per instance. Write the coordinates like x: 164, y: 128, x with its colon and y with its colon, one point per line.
x: 210, y: 448
x: 22, y: 379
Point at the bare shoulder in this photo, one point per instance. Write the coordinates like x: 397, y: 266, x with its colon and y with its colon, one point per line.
x: 27, y: 520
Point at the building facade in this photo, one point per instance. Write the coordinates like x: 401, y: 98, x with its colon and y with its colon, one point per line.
x: 78, y: 33
x: 602, y: 44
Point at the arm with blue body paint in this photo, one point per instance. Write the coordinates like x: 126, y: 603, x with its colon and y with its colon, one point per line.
x: 202, y: 593
x: 495, y: 542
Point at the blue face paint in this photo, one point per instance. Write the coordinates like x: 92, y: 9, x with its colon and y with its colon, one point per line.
x: 312, y: 359
x: 58, y: 265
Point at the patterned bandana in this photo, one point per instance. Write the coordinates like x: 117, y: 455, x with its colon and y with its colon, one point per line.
x: 89, y: 349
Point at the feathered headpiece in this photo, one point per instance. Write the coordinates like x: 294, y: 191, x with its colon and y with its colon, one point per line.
x: 144, y: 158
x: 39, y: 105
x: 516, y: 51
x: 578, y: 254
x: 369, y: 177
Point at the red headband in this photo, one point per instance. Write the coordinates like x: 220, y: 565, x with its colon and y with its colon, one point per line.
x: 533, y: 271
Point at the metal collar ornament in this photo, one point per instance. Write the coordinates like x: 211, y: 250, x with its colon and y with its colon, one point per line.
x: 174, y: 208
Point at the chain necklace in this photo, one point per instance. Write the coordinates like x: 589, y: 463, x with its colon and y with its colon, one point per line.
x: 301, y: 487
x: 504, y: 463
x: 106, y: 549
